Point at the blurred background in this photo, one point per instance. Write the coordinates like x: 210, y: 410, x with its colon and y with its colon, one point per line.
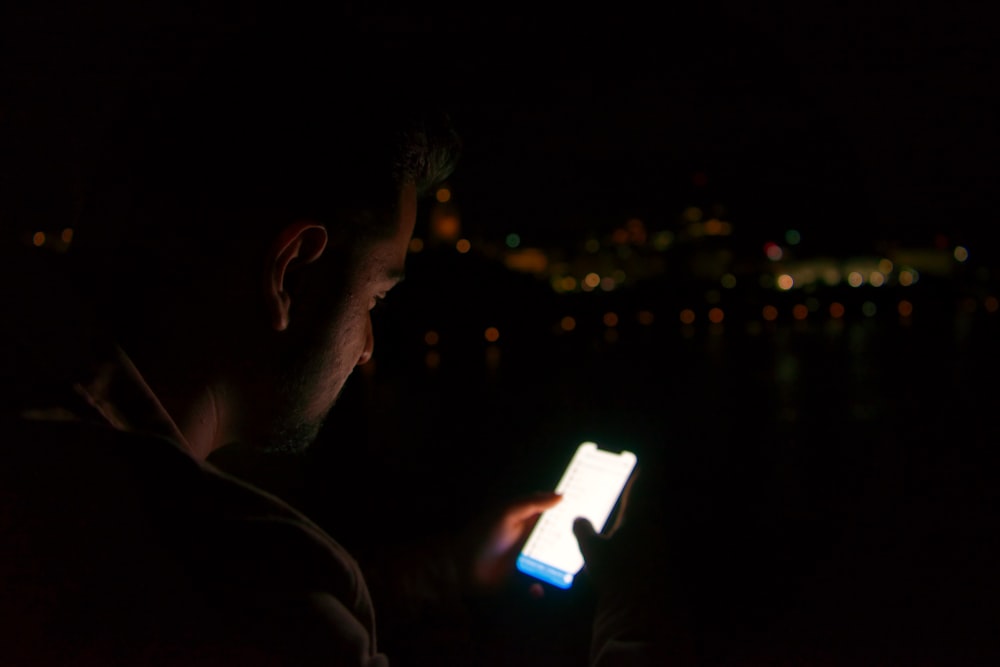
x: 753, y: 244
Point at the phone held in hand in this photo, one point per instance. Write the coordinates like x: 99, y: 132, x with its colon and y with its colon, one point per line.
x: 590, y: 487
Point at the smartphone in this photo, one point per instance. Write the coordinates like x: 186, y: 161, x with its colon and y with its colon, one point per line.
x: 590, y: 487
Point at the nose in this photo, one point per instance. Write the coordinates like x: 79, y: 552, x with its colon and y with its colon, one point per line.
x: 366, y: 351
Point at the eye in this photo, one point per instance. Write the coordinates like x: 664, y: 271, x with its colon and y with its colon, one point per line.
x: 378, y: 302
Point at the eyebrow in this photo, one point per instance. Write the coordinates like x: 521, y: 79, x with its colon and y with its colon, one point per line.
x: 396, y: 275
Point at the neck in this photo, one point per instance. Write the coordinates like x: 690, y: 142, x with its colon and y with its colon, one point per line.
x: 198, y: 404
x: 201, y: 417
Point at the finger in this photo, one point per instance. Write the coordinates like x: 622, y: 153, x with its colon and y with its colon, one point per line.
x: 583, y: 529
x: 522, y: 529
x: 532, y: 505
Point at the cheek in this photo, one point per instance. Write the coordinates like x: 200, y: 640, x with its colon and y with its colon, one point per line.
x: 348, y: 339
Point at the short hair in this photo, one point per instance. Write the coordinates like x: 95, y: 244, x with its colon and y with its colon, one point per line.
x: 217, y: 143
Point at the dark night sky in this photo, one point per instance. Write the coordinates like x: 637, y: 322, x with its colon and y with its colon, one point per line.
x: 850, y: 121
x: 857, y: 117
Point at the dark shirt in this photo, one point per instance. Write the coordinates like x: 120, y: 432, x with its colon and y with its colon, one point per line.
x: 121, y: 549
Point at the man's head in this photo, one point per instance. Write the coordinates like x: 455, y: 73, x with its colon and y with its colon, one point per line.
x: 257, y: 201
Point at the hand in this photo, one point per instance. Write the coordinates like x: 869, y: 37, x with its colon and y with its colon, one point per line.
x: 639, y: 603
x: 493, y: 544
x: 597, y: 549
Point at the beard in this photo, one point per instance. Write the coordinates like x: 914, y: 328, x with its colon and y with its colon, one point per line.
x: 310, y: 377
x: 298, y: 419
x: 292, y: 437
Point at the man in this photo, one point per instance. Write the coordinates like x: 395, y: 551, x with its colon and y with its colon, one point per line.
x: 254, y: 202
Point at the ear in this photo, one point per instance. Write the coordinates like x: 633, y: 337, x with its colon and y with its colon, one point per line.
x: 296, y: 245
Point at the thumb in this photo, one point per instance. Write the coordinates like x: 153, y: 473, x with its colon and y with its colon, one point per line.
x: 585, y: 536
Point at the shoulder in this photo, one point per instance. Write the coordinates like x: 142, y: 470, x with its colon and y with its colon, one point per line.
x: 300, y: 555
x: 129, y: 529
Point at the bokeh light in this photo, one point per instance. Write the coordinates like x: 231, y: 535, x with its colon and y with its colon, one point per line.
x: 662, y: 240
x: 527, y: 260
x: 446, y: 227
x: 492, y: 334
x: 693, y: 214
x: 908, y: 277
x: 636, y: 231
x: 716, y: 227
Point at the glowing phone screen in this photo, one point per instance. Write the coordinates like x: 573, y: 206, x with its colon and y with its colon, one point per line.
x: 590, y: 487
